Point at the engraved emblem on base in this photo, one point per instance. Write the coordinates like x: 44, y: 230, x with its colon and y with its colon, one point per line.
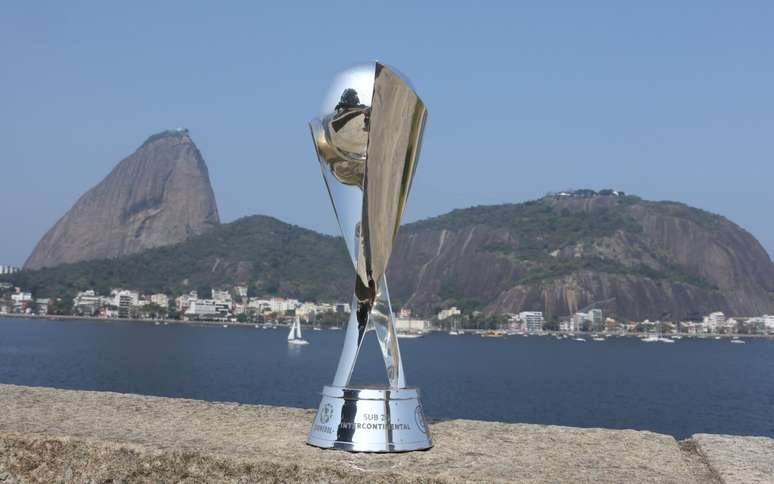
x: 370, y: 419
x: 367, y: 140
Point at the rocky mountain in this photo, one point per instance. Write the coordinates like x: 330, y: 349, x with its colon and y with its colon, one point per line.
x: 630, y: 257
x: 159, y: 195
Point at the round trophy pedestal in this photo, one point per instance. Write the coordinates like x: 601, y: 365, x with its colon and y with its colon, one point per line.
x: 370, y: 419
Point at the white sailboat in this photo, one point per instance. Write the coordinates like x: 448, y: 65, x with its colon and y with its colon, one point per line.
x: 294, y: 337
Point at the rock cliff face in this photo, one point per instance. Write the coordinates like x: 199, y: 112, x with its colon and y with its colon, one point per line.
x: 159, y: 195
x: 630, y: 257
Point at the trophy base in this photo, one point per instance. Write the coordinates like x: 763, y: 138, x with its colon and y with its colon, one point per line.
x: 370, y: 419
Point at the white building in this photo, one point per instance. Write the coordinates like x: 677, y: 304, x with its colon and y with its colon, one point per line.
x: 447, y: 313
x: 87, y: 303
x: 160, y: 299
x: 221, y: 296
x: 597, y: 319
x: 533, y: 320
x: 578, y: 319
x: 714, y: 321
x: 8, y: 270
x: 240, y: 291
x: 343, y: 308
x: 411, y: 325
x: 21, y: 297
x: 117, y: 294
x: 184, y: 302
x: 43, y: 305
x: 207, y: 309
x: 281, y: 305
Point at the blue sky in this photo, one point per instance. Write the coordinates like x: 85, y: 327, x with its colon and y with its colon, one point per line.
x: 667, y: 100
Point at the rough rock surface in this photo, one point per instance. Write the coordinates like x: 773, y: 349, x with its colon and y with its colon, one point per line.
x: 738, y: 459
x: 633, y: 258
x: 159, y: 195
x: 49, y: 435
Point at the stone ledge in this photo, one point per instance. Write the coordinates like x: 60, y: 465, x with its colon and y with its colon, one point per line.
x: 49, y: 435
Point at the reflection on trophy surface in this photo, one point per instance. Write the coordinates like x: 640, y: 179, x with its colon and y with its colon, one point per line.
x: 367, y: 138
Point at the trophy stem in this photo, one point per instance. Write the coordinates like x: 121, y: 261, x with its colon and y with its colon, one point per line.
x: 381, y: 319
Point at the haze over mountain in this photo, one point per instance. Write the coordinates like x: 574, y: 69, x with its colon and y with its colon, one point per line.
x: 630, y: 257
x: 159, y: 195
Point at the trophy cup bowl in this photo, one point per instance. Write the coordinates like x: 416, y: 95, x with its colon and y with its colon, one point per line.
x: 367, y: 140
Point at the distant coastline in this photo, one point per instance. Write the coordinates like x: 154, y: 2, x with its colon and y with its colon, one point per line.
x: 476, y: 332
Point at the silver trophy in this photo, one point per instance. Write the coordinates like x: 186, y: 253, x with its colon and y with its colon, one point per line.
x: 367, y: 139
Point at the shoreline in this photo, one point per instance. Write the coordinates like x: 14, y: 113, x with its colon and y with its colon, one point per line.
x: 476, y: 332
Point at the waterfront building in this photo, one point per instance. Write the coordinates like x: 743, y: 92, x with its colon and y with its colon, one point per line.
x: 43, y: 305
x: 116, y: 294
x: 307, y: 311
x: 207, y: 309
x: 578, y: 319
x: 533, y: 320
x: 714, y: 321
x: 184, y: 302
x: 447, y: 313
x: 87, y: 303
x: 160, y: 299
x: 221, y: 296
x: 21, y: 297
x: 411, y: 325
x: 597, y: 320
x: 343, y: 308
x: 124, y: 305
x: 280, y: 305
x: 8, y: 270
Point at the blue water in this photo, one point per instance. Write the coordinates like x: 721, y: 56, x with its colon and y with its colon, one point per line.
x: 680, y: 389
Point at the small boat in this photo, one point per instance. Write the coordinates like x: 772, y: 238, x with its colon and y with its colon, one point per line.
x: 665, y: 340
x: 294, y: 337
x: 582, y: 340
x: 225, y: 325
x: 737, y: 340
x: 598, y: 338
x: 651, y: 339
x: 256, y: 326
x: 409, y: 335
x: 677, y: 337
x: 717, y: 337
x: 317, y: 328
x: 454, y: 332
x: 157, y: 323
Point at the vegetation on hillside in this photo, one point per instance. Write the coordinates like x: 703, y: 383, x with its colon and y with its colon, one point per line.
x: 263, y: 253
x: 538, y: 228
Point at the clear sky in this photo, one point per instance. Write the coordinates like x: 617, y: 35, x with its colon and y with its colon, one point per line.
x: 667, y: 100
